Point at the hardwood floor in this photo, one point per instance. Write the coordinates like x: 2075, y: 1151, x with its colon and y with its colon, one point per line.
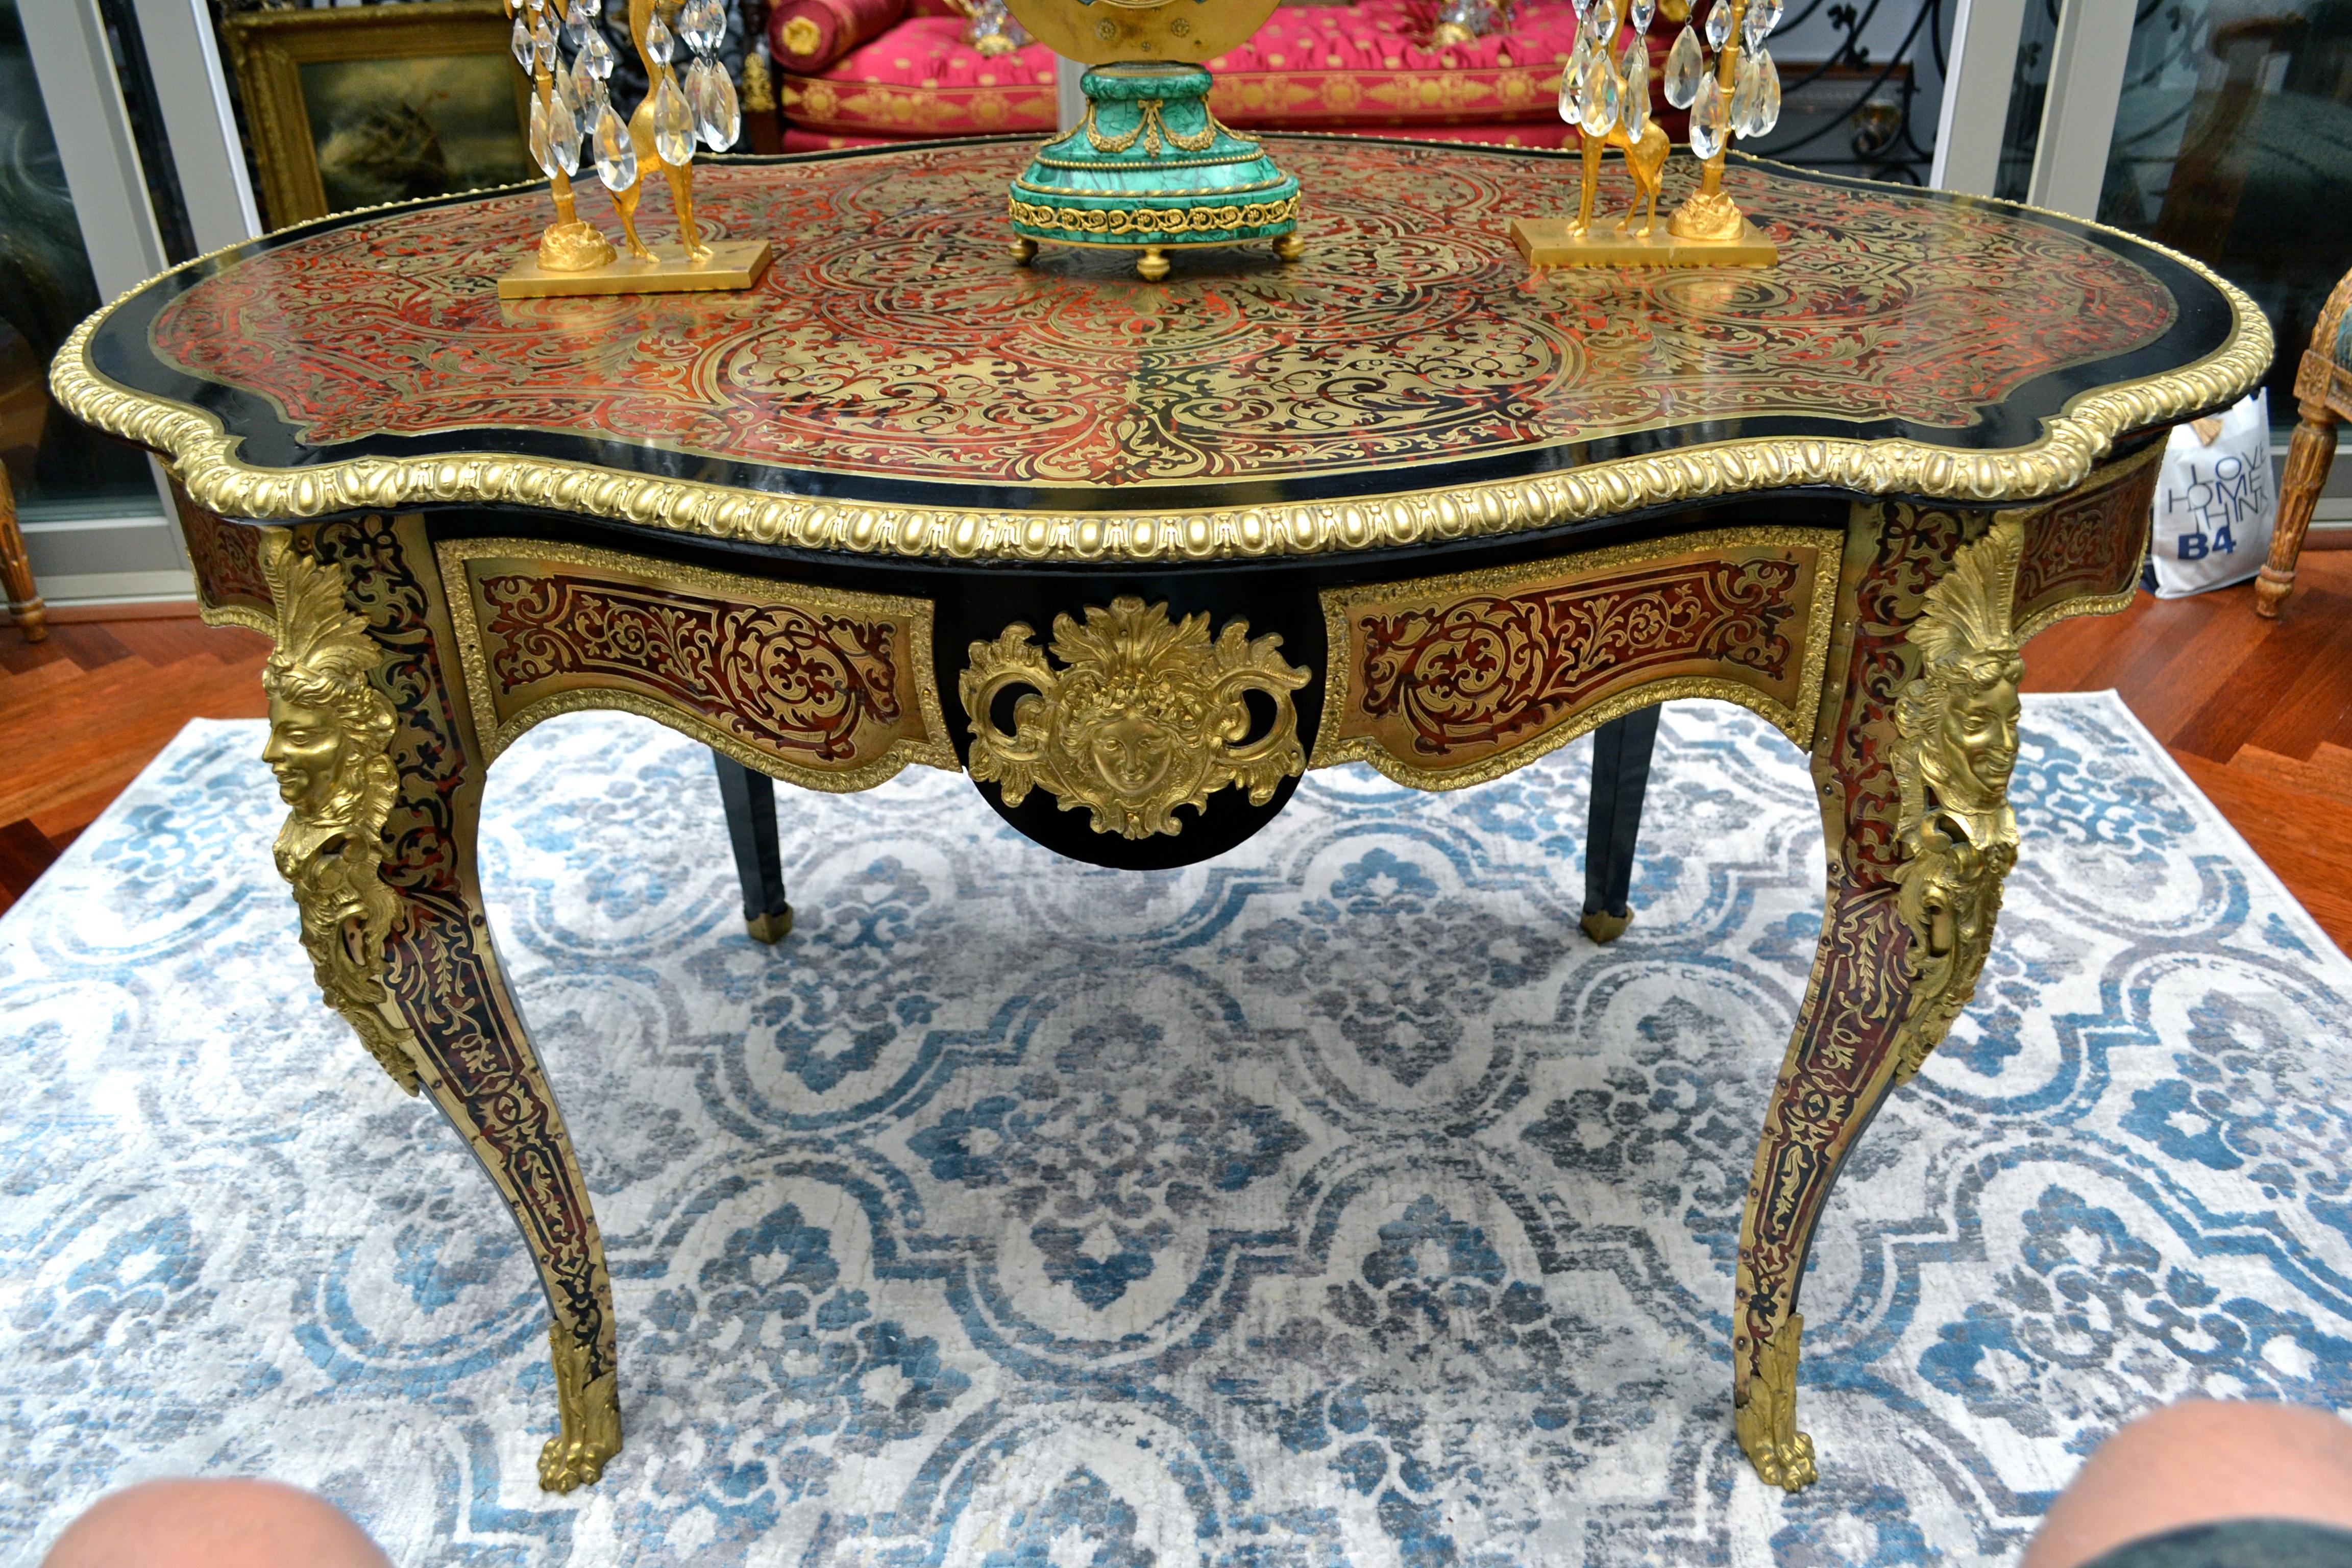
x: 2259, y: 714
x: 81, y: 713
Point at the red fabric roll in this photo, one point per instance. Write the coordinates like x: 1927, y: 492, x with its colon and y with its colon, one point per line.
x: 806, y: 36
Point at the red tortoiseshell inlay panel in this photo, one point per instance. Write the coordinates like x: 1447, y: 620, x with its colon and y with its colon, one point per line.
x: 2090, y: 542
x: 893, y: 336
x: 828, y: 683
x: 226, y: 557
x: 1443, y: 674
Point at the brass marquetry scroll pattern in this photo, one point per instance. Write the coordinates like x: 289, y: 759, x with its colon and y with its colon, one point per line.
x: 2082, y: 553
x: 1842, y: 1055
x: 1955, y: 746
x: 474, y: 1056
x: 819, y: 370
x: 330, y: 731
x: 833, y: 690
x: 231, y: 588
x: 1450, y: 681
x: 1143, y: 715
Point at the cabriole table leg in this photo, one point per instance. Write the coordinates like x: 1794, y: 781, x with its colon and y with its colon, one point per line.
x: 1913, y: 763
x: 380, y: 771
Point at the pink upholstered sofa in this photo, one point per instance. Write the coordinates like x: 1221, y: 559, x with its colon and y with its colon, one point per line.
x: 1364, y: 67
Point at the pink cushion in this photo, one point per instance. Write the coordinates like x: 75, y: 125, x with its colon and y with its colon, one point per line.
x: 809, y: 35
x: 1514, y: 134
x: 1324, y: 67
x: 1358, y: 66
x: 920, y: 79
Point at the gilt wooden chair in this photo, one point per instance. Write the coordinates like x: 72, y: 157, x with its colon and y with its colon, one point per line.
x: 16, y: 572
x: 2323, y: 392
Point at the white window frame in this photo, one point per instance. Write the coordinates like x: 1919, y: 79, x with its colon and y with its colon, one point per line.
x: 2078, y: 118
x: 91, y: 125
x: 2078, y: 125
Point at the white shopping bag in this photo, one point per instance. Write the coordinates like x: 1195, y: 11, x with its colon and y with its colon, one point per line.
x: 2215, y: 504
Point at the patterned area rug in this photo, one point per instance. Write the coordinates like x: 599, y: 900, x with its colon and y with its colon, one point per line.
x: 1334, y: 1203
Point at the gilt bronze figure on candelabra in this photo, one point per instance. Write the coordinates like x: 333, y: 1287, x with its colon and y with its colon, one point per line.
x: 571, y: 104
x: 1605, y: 92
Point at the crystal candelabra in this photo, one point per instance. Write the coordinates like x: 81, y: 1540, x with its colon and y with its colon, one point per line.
x: 1739, y: 97
x: 1605, y: 92
x: 1606, y: 96
x: 572, y: 104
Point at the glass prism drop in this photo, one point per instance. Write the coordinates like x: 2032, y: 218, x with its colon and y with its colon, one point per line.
x: 520, y: 44
x: 710, y: 27
x: 1635, y: 115
x: 1686, y: 68
x: 575, y: 24
x: 1640, y: 13
x: 1718, y: 24
x: 718, y: 112
x: 1708, y: 121
x: 661, y: 44
x: 564, y: 136
x: 1571, y: 83
x: 1767, y: 15
x: 1746, y: 88
x: 616, y: 156
x: 1602, y: 98
x: 1767, y: 106
x: 598, y: 53
x: 542, y: 48
x: 540, y: 153
x: 673, y: 123
x: 1599, y: 22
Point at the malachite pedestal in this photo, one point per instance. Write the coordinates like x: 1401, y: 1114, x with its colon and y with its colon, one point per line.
x: 1149, y: 167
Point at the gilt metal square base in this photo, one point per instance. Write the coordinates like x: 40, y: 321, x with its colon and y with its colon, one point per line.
x: 733, y: 264
x: 1547, y: 242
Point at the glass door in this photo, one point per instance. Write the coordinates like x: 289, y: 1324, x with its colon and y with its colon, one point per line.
x: 59, y: 468
x: 2233, y: 142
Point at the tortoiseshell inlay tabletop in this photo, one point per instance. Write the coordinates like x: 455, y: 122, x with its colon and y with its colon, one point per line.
x: 893, y: 340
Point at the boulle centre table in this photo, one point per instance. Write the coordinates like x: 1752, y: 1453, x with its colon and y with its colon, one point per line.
x: 1135, y: 555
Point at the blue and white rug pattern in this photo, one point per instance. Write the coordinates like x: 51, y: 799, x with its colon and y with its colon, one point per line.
x: 1332, y: 1203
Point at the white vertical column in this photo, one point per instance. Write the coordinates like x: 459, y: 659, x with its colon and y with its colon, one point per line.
x: 1069, y: 103
x: 91, y: 125
x: 92, y: 128
x: 192, y: 94
x: 1975, y: 112
x: 2078, y: 125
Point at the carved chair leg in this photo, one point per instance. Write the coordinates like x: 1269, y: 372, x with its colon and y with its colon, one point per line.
x: 16, y: 571
x: 1914, y: 770
x: 1621, y: 776
x: 378, y: 769
x: 2308, y: 455
x: 750, y: 801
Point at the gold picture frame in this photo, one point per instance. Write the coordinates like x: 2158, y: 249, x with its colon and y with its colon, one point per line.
x: 353, y: 105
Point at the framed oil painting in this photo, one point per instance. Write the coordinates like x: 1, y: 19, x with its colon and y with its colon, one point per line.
x: 351, y: 107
